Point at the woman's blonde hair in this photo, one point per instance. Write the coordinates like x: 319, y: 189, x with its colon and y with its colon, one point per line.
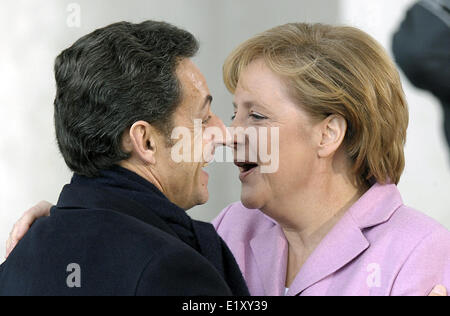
x: 343, y: 71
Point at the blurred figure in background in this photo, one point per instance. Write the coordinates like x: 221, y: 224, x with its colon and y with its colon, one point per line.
x: 422, y: 50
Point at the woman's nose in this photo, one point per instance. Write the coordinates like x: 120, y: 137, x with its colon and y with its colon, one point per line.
x: 237, y: 133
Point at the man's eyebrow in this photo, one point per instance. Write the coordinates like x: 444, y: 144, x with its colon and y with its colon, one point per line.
x: 208, y: 100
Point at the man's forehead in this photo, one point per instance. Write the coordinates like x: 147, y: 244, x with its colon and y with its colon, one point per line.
x: 192, y: 79
x: 196, y: 95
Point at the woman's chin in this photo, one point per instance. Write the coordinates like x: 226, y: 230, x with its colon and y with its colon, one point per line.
x: 251, y: 201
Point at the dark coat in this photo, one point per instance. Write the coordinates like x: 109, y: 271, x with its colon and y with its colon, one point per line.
x: 125, y: 238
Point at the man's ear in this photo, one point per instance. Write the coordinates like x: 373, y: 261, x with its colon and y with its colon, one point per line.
x: 141, y: 142
x: 333, y: 130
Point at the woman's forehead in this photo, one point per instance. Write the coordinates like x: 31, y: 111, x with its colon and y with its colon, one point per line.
x: 258, y: 84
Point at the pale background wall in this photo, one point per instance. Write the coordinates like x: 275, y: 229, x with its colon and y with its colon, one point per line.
x: 425, y: 184
x: 32, y: 33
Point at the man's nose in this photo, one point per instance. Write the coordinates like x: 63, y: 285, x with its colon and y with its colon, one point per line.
x: 222, y: 140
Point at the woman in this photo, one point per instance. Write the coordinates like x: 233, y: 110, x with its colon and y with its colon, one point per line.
x: 330, y: 220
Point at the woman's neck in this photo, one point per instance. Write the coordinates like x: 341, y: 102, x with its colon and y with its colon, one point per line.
x: 310, y: 216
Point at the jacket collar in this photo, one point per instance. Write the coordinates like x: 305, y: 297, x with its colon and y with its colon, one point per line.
x: 376, y: 206
x: 341, y: 245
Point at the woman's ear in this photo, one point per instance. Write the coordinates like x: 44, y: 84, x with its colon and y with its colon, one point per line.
x: 141, y: 142
x: 333, y: 130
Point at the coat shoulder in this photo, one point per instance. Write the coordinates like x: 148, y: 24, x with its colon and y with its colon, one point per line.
x: 120, y: 253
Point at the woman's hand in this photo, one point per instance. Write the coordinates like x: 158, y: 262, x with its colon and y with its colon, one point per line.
x: 25, y: 222
x: 439, y: 290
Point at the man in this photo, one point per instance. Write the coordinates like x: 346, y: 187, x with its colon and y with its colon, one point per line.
x: 120, y: 227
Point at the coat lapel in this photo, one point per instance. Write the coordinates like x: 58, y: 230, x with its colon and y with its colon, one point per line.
x: 270, y: 252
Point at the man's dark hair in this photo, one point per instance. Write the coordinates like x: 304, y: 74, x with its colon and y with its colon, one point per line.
x: 110, y: 79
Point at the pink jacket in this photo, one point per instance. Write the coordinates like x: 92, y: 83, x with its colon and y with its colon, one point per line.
x: 379, y: 247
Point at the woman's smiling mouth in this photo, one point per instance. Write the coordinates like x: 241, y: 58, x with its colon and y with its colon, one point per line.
x: 246, y: 168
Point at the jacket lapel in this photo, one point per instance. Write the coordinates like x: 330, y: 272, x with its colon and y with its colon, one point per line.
x: 344, y: 243
x: 346, y: 240
x: 270, y: 252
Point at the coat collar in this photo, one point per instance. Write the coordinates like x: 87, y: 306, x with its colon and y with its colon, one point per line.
x: 341, y: 245
x: 123, y: 191
x: 109, y: 192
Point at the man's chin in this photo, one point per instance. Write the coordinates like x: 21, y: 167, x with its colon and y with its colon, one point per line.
x: 205, y: 198
x: 195, y: 200
x: 202, y: 197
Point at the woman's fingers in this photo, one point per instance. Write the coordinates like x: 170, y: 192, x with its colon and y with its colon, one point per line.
x: 439, y: 290
x: 24, y: 223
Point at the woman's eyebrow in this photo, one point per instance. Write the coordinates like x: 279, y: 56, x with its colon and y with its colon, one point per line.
x: 249, y: 104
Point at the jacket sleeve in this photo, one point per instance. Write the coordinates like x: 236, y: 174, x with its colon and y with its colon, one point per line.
x: 181, y: 272
x: 427, y: 266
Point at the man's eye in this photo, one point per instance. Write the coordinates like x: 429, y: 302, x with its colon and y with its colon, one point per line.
x: 207, y: 120
x: 233, y: 117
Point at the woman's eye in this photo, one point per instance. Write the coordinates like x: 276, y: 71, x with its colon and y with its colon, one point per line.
x: 257, y: 116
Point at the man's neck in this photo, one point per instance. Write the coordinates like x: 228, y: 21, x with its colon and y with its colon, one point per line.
x: 143, y: 172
